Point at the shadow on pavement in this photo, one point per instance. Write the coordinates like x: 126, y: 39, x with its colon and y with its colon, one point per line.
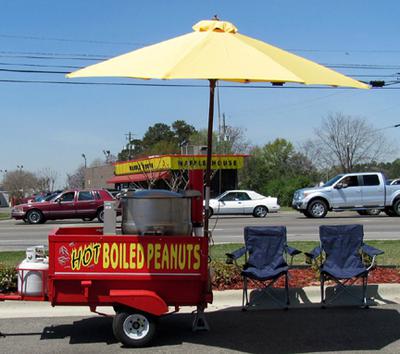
x: 271, y: 331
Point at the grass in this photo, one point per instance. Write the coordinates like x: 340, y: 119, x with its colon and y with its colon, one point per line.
x: 11, y: 258
x: 390, y: 247
x: 4, y: 216
x: 217, y: 252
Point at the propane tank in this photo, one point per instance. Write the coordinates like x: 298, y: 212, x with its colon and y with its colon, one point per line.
x: 33, y: 271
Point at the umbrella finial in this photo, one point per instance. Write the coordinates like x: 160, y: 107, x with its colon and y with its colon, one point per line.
x: 215, y: 18
x: 214, y: 25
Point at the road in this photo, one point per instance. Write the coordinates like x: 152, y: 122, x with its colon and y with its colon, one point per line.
x: 16, y: 235
x: 308, y: 330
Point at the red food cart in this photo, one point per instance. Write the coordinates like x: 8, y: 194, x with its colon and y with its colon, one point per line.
x: 140, y: 276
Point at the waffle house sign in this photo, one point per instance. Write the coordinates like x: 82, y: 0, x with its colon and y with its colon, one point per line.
x: 179, y: 162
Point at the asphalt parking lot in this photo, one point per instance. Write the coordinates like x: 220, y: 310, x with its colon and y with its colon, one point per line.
x: 16, y: 235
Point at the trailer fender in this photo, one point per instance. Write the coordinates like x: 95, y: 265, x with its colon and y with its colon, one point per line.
x: 143, y: 300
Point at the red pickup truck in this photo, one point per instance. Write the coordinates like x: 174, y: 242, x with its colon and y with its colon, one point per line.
x: 71, y: 204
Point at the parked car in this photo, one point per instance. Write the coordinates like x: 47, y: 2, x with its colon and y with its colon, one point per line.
x: 243, y: 202
x: 361, y: 192
x: 71, y: 204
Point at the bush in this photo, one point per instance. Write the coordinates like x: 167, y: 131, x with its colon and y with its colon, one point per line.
x: 8, y: 278
x: 225, y: 276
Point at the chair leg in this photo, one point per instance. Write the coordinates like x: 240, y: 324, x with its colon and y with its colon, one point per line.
x: 365, y: 284
x: 287, y: 289
x: 245, y: 299
x: 322, y: 279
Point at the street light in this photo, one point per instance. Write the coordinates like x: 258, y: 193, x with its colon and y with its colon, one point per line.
x: 84, y: 157
x: 20, y: 167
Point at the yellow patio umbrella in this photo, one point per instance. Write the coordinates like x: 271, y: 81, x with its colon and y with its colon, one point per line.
x: 216, y: 51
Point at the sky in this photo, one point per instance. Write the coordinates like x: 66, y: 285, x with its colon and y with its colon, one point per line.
x: 50, y: 126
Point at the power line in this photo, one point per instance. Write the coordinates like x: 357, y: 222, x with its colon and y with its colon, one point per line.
x: 93, y: 41
x: 181, y: 85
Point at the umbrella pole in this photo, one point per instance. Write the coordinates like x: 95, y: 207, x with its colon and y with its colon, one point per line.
x: 209, y: 155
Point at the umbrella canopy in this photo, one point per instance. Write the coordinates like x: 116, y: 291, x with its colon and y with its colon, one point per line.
x: 216, y: 51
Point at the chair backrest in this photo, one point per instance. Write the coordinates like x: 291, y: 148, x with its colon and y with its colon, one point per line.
x: 265, y: 245
x: 341, y: 244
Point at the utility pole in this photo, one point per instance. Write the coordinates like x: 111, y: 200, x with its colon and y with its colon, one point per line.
x: 129, y: 145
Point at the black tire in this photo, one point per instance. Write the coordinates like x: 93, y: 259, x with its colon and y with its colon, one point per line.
x: 362, y: 212
x: 35, y: 217
x: 396, y: 207
x: 134, y: 329
x: 260, y: 211
x: 100, y: 215
x: 210, y: 212
x: 306, y: 214
x: 390, y: 212
x: 317, y: 208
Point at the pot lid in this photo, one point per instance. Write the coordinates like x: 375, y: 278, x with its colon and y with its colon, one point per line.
x: 156, y: 194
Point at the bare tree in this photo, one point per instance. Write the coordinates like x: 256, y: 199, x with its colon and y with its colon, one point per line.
x: 19, y: 182
x: 76, y: 180
x: 46, y: 179
x: 345, y: 141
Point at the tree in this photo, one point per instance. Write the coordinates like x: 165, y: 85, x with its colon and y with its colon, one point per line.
x: 76, y: 180
x: 345, y: 141
x: 46, y: 179
x: 20, y: 182
x: 277, y: 169
x: 158, y: 132
x: 182, y: 131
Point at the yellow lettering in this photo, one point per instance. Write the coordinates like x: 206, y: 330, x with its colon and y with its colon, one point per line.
x: 157, y: 256
x: 76, y: 255
x: 106, y: 256
x: 182, y: 257
x: 174, y: 256
x: 114, y: 256
x: 189, y: 255
x: 196, y: 255
x: 96, y: 249
x: 150, y: 254
x: 165, y: 258
x: 140, y: 256
x: 132, y: 253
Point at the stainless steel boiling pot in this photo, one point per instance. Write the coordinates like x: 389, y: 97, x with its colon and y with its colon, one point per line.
x: 157, y: 212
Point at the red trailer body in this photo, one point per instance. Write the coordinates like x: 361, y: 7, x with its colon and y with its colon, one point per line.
x: 148, y: 273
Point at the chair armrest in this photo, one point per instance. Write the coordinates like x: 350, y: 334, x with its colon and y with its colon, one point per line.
x: 233, y: 256
x: 371, y: 251
x: 314, y: 253
x: 292, y: 251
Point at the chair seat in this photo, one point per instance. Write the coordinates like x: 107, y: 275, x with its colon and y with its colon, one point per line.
x: 347, y: 273
x: 264, y: 273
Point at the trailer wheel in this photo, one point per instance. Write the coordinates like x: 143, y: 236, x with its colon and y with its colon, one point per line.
x: 134, y: 329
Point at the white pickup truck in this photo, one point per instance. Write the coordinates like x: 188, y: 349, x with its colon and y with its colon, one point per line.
x: 351, y: 191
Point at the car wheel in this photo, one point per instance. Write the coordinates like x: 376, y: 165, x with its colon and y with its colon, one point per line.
x: 389, y: 212
x: 100, y: 215
x: 134, y: 329
x: 260, y: 211
x: 87, y: 219
x: 210, y: 212
x: 317, y: 208
x: 306, y: 214
x: 35, y: 217
x: 396, y: 207
x: 373, y: 211
x: 362, y: 212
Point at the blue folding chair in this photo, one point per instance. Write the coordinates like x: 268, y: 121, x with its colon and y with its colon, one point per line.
x: 265, y: 262
x: 341, y: 258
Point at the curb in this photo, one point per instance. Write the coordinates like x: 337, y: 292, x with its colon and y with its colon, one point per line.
x: 307, y: 297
